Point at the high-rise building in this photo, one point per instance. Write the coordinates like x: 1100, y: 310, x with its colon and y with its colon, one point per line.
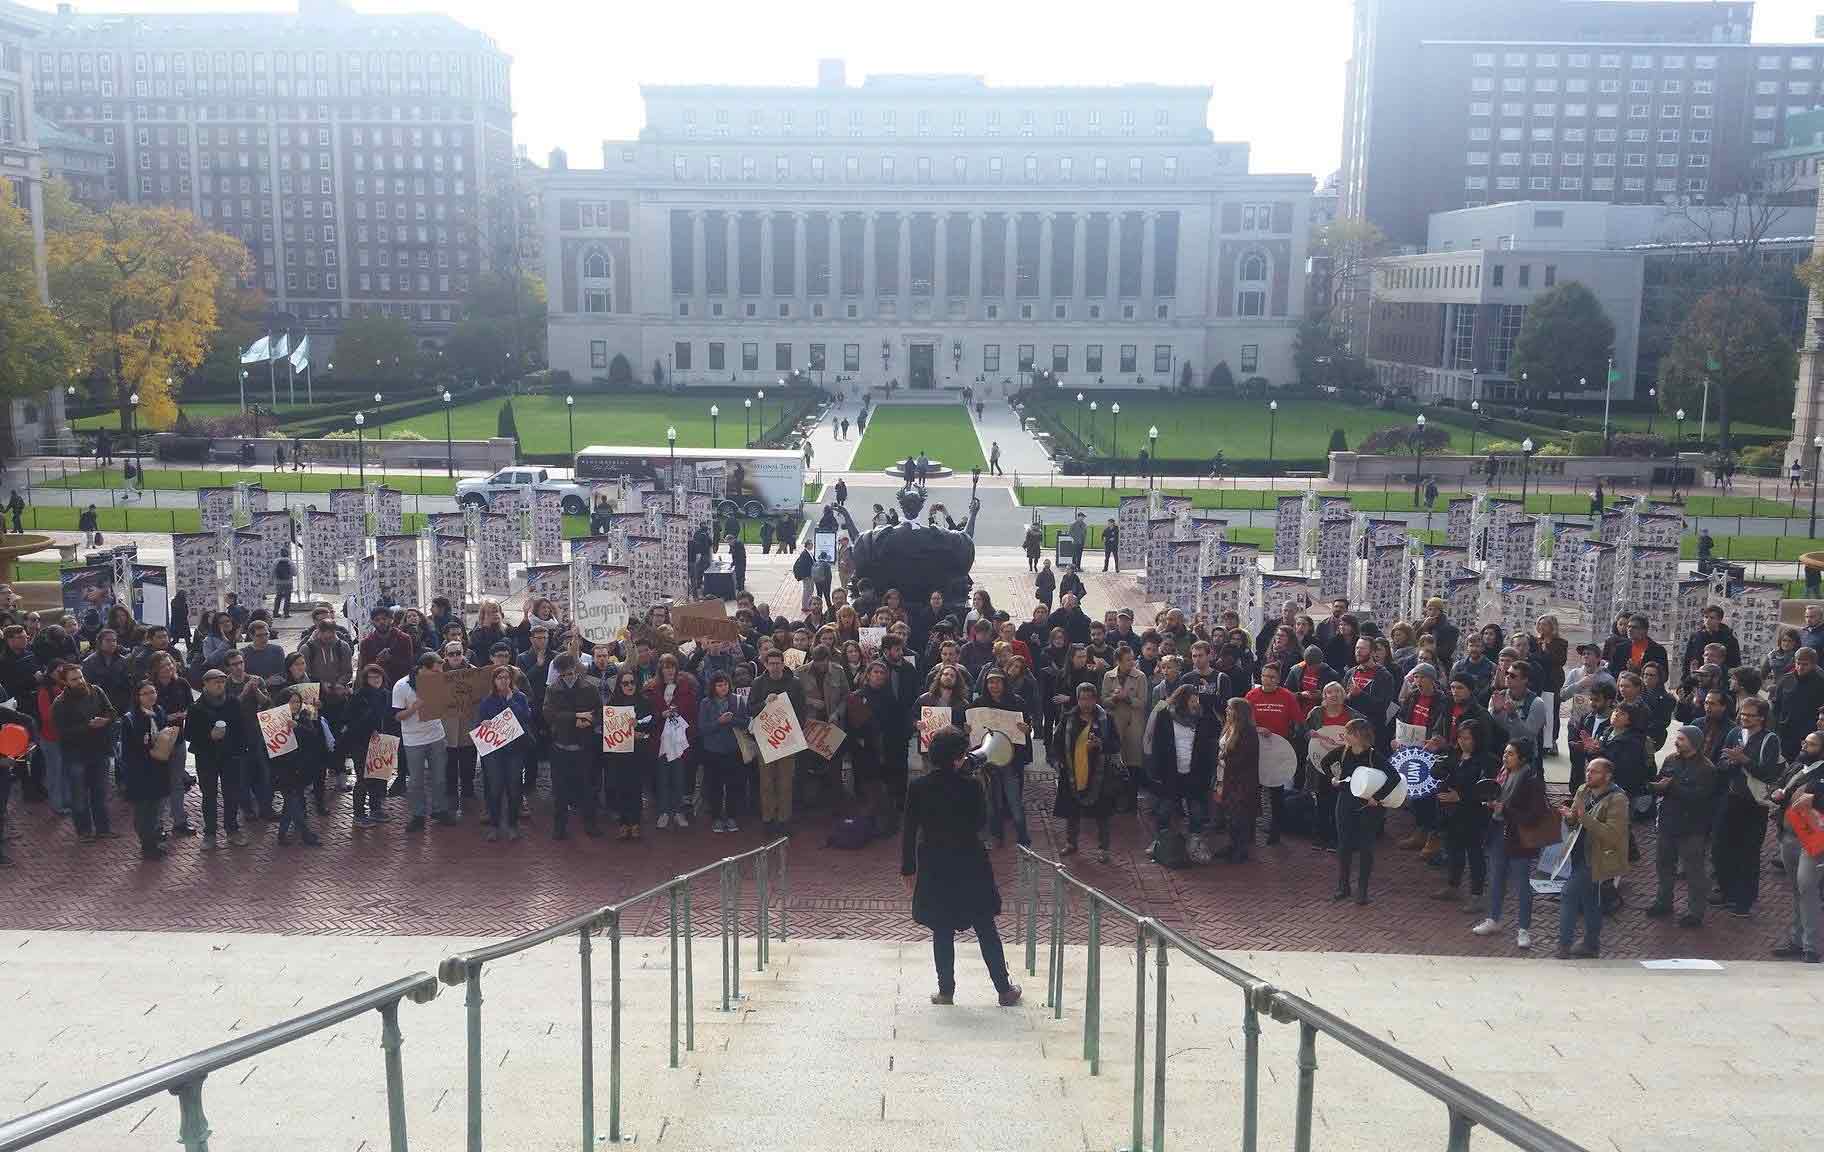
x: 932, y: 230
x: 353, y: 154
x: 1452, y: 105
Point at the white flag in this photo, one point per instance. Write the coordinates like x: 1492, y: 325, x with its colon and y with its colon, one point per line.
x: 256, y: 352
x: 300, y: 356
x: 283, y: 347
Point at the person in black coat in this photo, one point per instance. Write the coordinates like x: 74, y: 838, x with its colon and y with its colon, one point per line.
x: 1358, y: 819
x: 145, y: 781
x: 368, y: 712
x: 1468, y: 761
x: 737, y: 558
x: 298, y: 769
x: 1636, y: 649
x: 946, y: 869
x: 1071, y: 618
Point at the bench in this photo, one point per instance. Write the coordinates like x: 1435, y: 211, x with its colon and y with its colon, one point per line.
x: 66, y: 553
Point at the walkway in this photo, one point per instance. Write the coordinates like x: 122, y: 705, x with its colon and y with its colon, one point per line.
x: 1019, y: 451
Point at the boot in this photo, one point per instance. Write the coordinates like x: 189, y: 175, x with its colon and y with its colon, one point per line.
x: 1433, y: 849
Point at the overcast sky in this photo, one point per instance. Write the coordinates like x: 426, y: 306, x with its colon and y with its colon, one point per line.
x: 1275, y: 70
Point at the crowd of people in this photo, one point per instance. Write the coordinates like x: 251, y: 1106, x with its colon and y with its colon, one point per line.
x: 1162, y: 717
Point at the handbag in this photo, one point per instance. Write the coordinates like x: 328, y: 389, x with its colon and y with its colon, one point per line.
x: 1808, y: 827
x: 1547, y: 829
x: 165, y: 742
x: 747, y: 746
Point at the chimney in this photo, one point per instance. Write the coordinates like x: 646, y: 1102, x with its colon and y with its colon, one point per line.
x: 558, y: 161
x: 831, y: 74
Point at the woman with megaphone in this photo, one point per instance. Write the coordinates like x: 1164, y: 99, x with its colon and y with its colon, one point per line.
x: 1365, y: 783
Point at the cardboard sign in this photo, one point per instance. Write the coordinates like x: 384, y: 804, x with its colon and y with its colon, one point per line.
x: 1408, y: 735
x: 496, y: 732
x: 382, y: 757
x: 453, y: 695
x: 601, y: 614
x: 871, y: 639
x: 929, y: 721
x: 617, y: 727
x: 311, y: 693
x: 276, y: 731
x: 823, y: 738
x: 704, y: 620
x: 794, y: 658
x: 1003, y: 720
x: 776, y: 729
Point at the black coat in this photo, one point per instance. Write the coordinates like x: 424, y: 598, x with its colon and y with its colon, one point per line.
x: 141, y: 777
x: 942, y: 846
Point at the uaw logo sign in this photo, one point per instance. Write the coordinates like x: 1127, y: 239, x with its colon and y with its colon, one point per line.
x: 1415, y: 765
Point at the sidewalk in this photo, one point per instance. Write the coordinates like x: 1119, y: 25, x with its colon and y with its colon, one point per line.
x: 1020, y: 453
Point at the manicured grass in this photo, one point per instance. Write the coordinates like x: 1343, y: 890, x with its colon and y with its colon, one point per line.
x: 1195, y: 427
x: 896, y: 431
x: 186, y: 479
x: 195, y: 410
x: 1665, y: 425
x: 544, y: 423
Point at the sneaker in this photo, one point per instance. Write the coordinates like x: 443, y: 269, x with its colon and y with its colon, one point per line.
x: 664, y: 820
x: 1690, y: 921
x: 184, y: 830
x: 683, y: 821
x: 210, y: 843
x: 1486, y: 927
x: 152, y: 853
x: 1787, y: 951
x: 1657, y: 910
x: 625, y: 833
x: 1523, y: 939
x: 1445, y: 893
x: 380, y: 817
x: 284, y: 837
x: 730, y: 826
x: 447, y: 818
x: 1010, y: 996
x: 513, y: 832
x: 1584, y: 952
x: 1340, y: 894
x: 1102, y: 856
x: 238, y: 838
x: 943, y: 998
x: 310, y: 839
x: 362, y: 822
x: 715, y: 826
x: 1562, y: 952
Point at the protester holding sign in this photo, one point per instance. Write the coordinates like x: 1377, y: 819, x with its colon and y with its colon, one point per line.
x: 719, y: 717
x: 573, y: 708
x: 368, y: 712
x: 629, y: 744
x: 776, y: 775
x: 294, y: 771
x: 422, y: 737
x: 502, y: 768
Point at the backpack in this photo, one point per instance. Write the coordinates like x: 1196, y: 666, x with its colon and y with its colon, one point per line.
x: 851, y: 833
x: 1170, y: 851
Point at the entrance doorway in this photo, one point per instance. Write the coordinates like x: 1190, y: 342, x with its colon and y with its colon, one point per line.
x: 922, y: 358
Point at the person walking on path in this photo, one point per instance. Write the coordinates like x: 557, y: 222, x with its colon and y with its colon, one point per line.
x: 994, y: 458
x: 1111, y: 545
x: 1033, y: 543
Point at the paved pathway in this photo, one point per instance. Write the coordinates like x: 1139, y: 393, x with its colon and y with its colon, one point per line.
x: 1020, y: 453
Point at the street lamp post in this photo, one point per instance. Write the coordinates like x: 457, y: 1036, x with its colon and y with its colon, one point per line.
x: 1680, y: 442
x: 1152, y: 453
x: 1092, y: 427
x: 1817, y: 457
x: 379, y: 424
x: 747, y: 419
x: 1418, y: 457
x: 714, y: 413
x: 1272, y: 431
x: 243, y: 390
x: 360, y: 448
x: 760, y: 397
x: 1079, y: 417
x: 133, y: 431
x: 1652, y: 408
x: 1114, y: 441
x: 1475, y: 425
x: 570, y: 415
x: 449, y: 443
x: 1526, y: 468
x: 671, y: 441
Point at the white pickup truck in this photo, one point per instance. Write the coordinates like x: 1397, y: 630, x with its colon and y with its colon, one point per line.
x: 473, y: 493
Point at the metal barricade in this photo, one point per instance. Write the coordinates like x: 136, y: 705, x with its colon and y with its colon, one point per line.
x: 184, y: 1076
x: 466, y: 967
x: 1465, y: 1107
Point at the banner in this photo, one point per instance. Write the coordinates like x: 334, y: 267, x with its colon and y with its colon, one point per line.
x: 550, y: 582
x: 196, y: 570
x: 547, y: 526
x: 617, y: 728
x: 1003, y: 720
x: 216, y: 507
x: 776, y: 729
x: 450, y: 569
x: 1288, y: 529
x: 151, y: 595
x: 251, y: 572
x: 499, y: 547
x: 367, y: 590
x: 496, y: 732
x: 322, y: 555
x: 389, y: 510
x: 276, y: 731
x: 382, y: 761
x: 396, y: 563
x: 871, y: 638
x: 645, y: 557
x: 349, y: 507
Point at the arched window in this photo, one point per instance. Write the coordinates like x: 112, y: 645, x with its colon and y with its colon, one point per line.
x: 595, y: 266
x: 1251, y: 285
x: 598, y: 281
x: 1253, y: 268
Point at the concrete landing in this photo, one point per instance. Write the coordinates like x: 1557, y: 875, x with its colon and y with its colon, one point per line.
x: 836, y: 1047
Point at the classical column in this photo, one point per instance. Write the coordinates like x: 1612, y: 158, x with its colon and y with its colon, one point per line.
x: 834, y: 292
x: 800, y: 274
x: 1079, y: 275
x: 975, y: 266
x: 1045, y: 236
x: 1113, y: 294
x: 699, y: 265
x: 766, y: 260
x: 1147, y: 263
x: 940, y: 249
x: 905, y: 263
x: 732, y: 275
x: 1011, y: 252
x: 870, y: 271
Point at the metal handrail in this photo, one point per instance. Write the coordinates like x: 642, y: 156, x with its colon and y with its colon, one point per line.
x: 1465, y: 1106
x: 184, y: 1076
x: 465, y: 968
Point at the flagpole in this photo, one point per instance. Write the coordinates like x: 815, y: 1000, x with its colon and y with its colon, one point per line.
x: 272, y: 374
x: 310, y: 396
x: 292, y: 385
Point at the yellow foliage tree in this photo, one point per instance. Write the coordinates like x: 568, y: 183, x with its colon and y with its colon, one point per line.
x: 139, y: 283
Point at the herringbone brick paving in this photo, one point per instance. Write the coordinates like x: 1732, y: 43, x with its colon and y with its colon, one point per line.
x: 449, y: 882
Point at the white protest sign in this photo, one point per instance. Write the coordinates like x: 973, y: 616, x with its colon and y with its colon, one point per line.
x: 496, y: 732
x: 871, y: 638
x: 276, y: 731
x: 311, y: 693
x: 1408, y: 735
x: 823, y: 738
x: 777, y: 730
x: 601, y: 614
x: 929, y: 721
x: 617, y: 727
x: 1323, y: 741
x: 794, y: 658
x: 1003, y: 720
x: 382, y: 757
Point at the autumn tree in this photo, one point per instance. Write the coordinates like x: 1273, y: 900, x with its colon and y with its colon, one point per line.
x: 1733, y: 338
x: 139, y: 283
x: 36, y: 353
x: 1565, y: 338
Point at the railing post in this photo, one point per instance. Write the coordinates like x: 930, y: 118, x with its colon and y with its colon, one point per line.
x: 1307, y: 1085
x: 674, y: 977
x: 1032, y: 918
x: 1137, y: 1137
x: 762, y: 863
x: 785, y: 892
x: 584, y: 948
x: 734, y: 927
x: 690, y: 986
x: 192, y: 1125
x: 722, y: 906
x: 1092, y: 992
x: 471, y: 1000
x: 391, y: 1042
x: 1054, y: 975
x: 1459, y: 1131
x: 1159, y: 957
x: 1250, y: 1082
x: 614, y: 1028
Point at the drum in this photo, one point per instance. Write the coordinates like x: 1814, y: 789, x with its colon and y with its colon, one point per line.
x: 1278, y: 762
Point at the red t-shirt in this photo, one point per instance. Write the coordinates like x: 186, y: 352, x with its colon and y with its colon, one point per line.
x: 1421, y: 710
x: 1276, y: 711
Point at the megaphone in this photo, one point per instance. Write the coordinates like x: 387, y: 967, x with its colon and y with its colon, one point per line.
x: 994, y: 749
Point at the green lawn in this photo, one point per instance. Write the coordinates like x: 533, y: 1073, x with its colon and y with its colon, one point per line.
x: 1665, y: 425
x: 544, y: 423
x: 896, y: 431
x: 184, y: 479
x: 195, y: 410
x: 1195, y: 427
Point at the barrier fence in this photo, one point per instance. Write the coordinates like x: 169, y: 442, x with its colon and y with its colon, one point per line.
x: 1465, y: 1107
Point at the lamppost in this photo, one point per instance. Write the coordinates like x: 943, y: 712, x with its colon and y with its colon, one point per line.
x: 1418, y: 457
x: 671, y: 441
x: 243, y: 390
x: 1652, y: 408
x: 1680, y: 442
x: 1152, y: 453
x: 760, y: 398
x: 133, y: 431
x: 1079, y: 415
x: 1092, y: 427
x: 570, y: 415
x: 1114, y: 441
x: 1272, y: 431
x: 360, y: 448
x: 747, y: 420
x: 1526, y: 468
x: 714, y: 413
x: 1475, y: 425
x: 1817, y: 457
x: 379, y: 424
x: 449, y: 444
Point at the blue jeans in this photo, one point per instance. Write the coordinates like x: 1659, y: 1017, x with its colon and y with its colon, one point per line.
x: 88, y: 776
x: 256, y: 784
x: 1500, y: 867
x: 1579, y: 898
x: 1007, y: 801
x: 668, y: 787
x: 293, y: 812
x: 426, y: 762
x: 500, y: 779
x: 177, y: 766
x: 56, y: 777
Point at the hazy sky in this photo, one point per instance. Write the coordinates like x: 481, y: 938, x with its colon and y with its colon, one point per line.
x: 1276, y: 70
